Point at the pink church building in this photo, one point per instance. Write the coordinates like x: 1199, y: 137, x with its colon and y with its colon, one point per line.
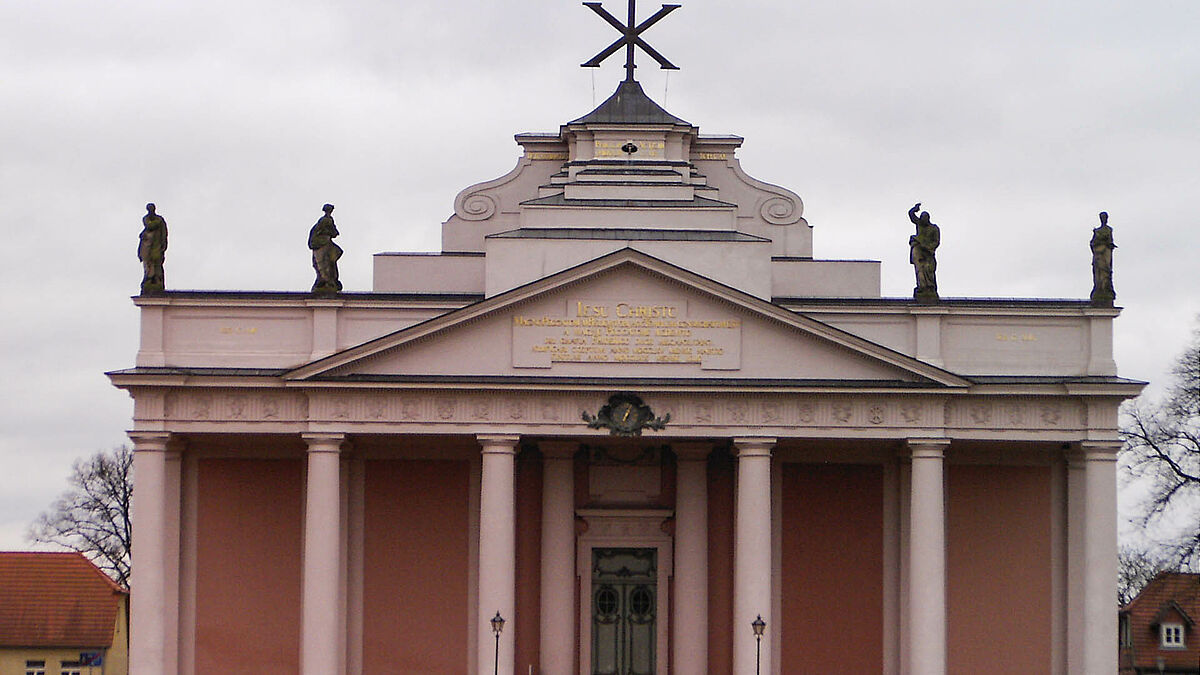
x: 627, y: 410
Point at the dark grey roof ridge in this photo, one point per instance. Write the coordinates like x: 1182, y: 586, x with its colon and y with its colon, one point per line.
x: 629, y: 104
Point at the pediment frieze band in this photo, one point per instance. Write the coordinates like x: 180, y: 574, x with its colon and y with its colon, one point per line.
x: 451, y: 411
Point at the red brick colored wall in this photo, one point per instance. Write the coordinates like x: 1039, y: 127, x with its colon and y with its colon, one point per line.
x: 529, y: 561
x: 832, y: 581
x: 415, y: 566
x: 998, y: 569
x: 720, y: 564
x: 249, y: 533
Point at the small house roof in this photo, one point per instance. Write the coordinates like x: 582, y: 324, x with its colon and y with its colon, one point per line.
x: 50, y: 599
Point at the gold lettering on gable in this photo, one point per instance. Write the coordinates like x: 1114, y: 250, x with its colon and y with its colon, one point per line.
x: 626, y: 331
x: 645, y: 149
x: 1023, y: 337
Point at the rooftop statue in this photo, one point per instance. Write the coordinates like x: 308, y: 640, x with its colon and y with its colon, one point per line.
x: 325, y: 253
x: 1102, y: 263
x: 152, y: 251
x: 922, y: 254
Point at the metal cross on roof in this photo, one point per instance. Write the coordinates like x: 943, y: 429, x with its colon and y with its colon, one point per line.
x: 630, y: 37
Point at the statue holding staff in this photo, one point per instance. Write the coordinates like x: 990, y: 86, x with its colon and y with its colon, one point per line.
x: 152, y: 251
x: 1102, y: 263
x: 922, y: 254
x: 325, y: 253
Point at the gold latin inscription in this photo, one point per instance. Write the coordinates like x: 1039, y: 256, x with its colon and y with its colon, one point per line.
x: 711, y: 155
x: 1026, y: 337
x: 239, y: 330
x: 629, y: 332
x: 546, y: 155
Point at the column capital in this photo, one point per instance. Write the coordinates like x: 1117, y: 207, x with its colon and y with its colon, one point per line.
x: 692, y: 451
x: 498, y: 443
x: 927, y: 448
x: 1100, y: 451
x: 149, y: 441
x: 754, y: 446
x: 324, y: 441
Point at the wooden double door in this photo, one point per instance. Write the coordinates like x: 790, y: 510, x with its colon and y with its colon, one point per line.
x: 624, y: 611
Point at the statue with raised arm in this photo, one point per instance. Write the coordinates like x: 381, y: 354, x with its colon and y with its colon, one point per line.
x: 922, y: 254
x: 325, y: 253
x: 1102, y: 263
x: 152, y: 251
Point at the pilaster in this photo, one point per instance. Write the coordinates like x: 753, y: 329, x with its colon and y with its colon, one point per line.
x: 689, y: 616
x: 927, y: 558
x: 1100, y: 556
x: 752, y: 555
x: 558, y: 557
x: 323, y: 619
x: 149, y: 624
x: 497, y: 552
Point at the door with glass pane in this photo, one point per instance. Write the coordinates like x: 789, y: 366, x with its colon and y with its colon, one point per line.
x: 624, y: 598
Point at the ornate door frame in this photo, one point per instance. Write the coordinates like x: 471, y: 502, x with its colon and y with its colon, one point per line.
x: 625, y: 528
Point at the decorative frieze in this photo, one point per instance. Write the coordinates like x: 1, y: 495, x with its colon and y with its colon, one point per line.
x: 234, y: 406
x: 776, y: 412
x: 1038, y: 413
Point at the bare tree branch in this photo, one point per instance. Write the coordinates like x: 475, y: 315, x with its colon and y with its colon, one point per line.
x: 1162, y: 448
x: 1135, y: 569
x: 92, y: 516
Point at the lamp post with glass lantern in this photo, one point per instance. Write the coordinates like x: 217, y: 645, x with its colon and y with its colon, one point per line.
x: 497, y: 628
x: 759, y: 626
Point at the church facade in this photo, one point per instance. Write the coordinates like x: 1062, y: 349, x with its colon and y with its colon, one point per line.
x: 627, y: 411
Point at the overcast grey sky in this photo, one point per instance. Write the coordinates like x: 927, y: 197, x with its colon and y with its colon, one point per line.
x: 1013, y: 122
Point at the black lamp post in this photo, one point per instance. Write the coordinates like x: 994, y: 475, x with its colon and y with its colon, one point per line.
x: 759, y: 626
x: 497, y: 628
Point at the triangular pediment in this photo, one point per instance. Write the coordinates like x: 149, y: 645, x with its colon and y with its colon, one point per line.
x: 626, y: 316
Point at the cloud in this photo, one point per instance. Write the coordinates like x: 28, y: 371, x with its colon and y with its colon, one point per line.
x: 1013, y: 122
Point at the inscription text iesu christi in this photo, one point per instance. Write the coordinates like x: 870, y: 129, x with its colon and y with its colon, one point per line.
x: 626, y: 332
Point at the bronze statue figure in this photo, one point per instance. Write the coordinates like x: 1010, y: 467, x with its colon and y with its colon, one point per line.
x: 325, y: 253
x: 922, y: 254
x: 1102, y: 248
x: 152, y: 251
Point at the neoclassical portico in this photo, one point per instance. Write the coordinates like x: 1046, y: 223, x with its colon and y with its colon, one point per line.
x: 919, y: 527
x: 628, y: 411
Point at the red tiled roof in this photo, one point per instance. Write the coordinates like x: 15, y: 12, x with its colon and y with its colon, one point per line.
x: 55, y: 600
x: 1169, y: 595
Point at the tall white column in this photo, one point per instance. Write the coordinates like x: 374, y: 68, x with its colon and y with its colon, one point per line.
x: 1100, y: 545
x: 752, y: 554
x: 172, y: 529
x: 558, y: 618
x: 689, y: 618
x: 927, y: 559
x: 322, y: 610
x: 497, y: 552
x: 1076, y: 559
x: 148, y: 650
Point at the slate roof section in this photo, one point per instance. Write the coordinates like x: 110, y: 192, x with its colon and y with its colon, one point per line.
x: 56, y: 600
x: 629, y: 104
